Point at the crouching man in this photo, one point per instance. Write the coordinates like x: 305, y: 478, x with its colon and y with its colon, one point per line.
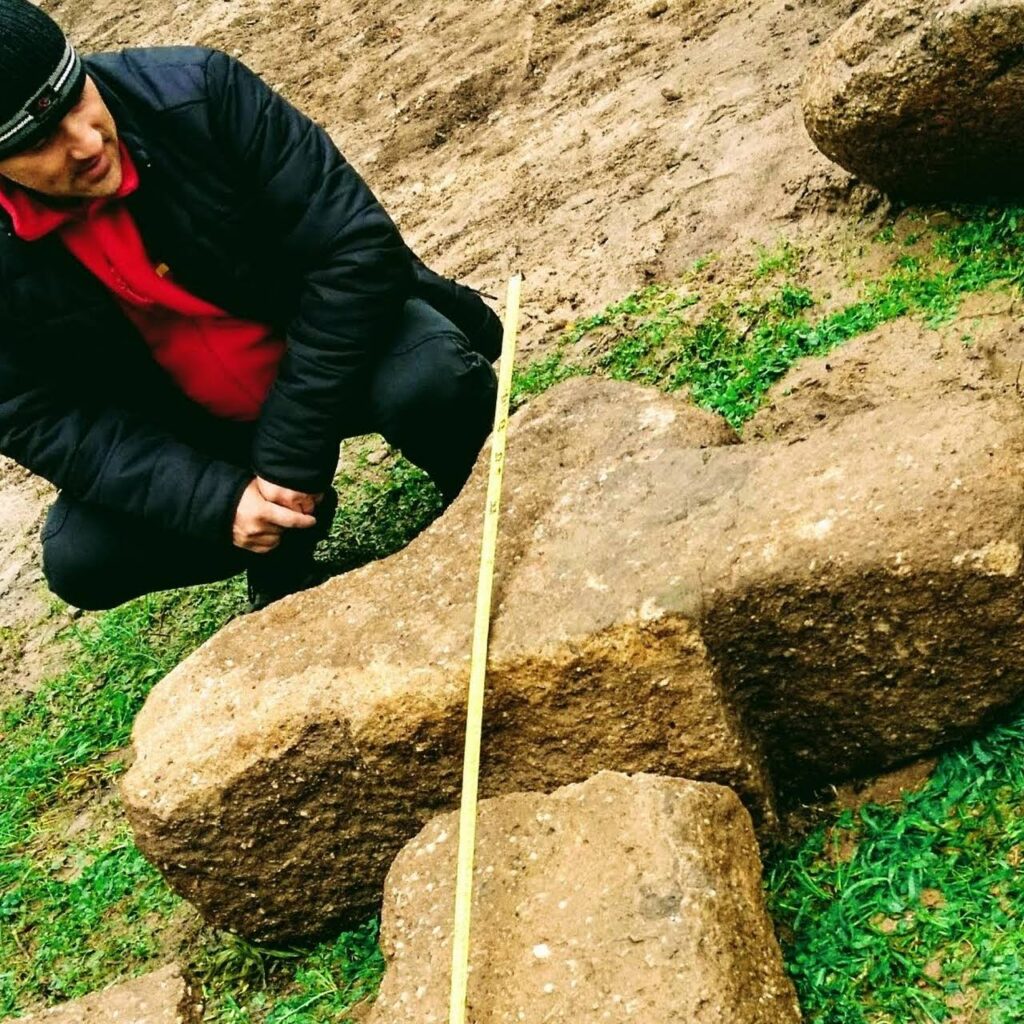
x: 199, y: 298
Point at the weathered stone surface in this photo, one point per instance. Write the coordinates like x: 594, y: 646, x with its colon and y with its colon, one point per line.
x: 850, y: 598
x: 867, y: 594
x: 163, y: 997
x: 616, y: 899
x: 281, y: 767
x: 922, y: 97
x: 902, y: 402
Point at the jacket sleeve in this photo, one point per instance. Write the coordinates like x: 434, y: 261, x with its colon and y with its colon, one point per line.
x: 111, y: 458
x: 355, y: 269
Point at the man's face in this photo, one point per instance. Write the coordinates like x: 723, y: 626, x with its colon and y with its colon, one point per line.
x: 78, y: 160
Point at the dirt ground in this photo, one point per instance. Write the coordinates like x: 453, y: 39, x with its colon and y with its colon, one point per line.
x: 594, y: 144
x: 29, y: 621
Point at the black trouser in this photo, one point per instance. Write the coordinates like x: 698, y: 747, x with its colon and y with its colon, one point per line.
x: 430, y: 395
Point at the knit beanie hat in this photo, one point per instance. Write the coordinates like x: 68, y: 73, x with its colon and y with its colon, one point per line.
x: 41, y: 76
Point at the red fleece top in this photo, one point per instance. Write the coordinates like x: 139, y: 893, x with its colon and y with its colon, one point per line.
x: 225, y: 364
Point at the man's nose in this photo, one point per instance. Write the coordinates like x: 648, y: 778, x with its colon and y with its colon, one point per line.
x: 84, y: 141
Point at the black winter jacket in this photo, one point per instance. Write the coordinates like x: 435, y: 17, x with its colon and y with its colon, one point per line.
x: 254, y: 209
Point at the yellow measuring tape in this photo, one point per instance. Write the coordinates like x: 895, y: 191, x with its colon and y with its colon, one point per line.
x: 478, y: 665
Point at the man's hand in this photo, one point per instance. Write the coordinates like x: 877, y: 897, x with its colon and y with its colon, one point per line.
x: 259, y: 523
x: 297, y: 501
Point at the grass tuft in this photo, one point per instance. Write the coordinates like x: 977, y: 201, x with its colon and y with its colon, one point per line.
x: 912, y: 912
x: 296, y: 986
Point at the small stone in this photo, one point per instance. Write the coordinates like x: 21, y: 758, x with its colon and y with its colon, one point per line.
x: 641, y: 843
x: 656, y: 10
x: 166, y: 996
x: 671, y: 95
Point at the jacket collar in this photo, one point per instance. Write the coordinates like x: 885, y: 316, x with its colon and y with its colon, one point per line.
x: 32, y: 218
x: 127, y: 126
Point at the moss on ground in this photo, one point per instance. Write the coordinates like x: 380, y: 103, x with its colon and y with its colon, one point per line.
x: 725, y: 344
x: 887, y: 915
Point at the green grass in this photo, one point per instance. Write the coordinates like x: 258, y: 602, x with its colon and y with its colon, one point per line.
x: 389, y: 510
x: 784, y: 258
x: 62, y: 937
x: 248, y: 983
x: 914, y: 912
x: 76, y: 914
x: 888, y: 915
x: 726, y: 347
x: 52, y: 737
x: 54, y: 940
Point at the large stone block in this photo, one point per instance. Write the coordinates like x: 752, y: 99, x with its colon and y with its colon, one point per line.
x: 922, y: 97
x: 903, y: 630
x: 866, y: 597
x: 617, y: 899
x: 280, y: 769
x: 833, y: 602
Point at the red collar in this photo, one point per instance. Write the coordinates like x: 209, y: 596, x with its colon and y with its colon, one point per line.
x: 32, y: 219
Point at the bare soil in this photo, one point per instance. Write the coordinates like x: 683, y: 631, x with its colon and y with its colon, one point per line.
x: 30, y: 618
x: 594, y: 144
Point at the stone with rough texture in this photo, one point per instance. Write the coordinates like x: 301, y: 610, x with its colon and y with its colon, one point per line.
x: 328, y: 729
x: 832, y: 603
x: 866, y: 594
x: 163, y: 997
x: 616, y: 899
x: 922, y: 98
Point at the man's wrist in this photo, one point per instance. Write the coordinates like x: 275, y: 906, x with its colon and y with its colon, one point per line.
x: 235, y: 502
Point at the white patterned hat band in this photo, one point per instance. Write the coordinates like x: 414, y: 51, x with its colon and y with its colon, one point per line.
x: 47, y: 105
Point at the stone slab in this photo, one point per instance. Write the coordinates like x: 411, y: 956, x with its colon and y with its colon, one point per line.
x: 619, y: 899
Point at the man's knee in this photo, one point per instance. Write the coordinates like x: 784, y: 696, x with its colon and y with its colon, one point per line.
x: 445, y: 388
x: 97, y: 558
x: 432, y: 397
x: 72, y: 570
x: 441, y: 376
x: 76, y: 589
